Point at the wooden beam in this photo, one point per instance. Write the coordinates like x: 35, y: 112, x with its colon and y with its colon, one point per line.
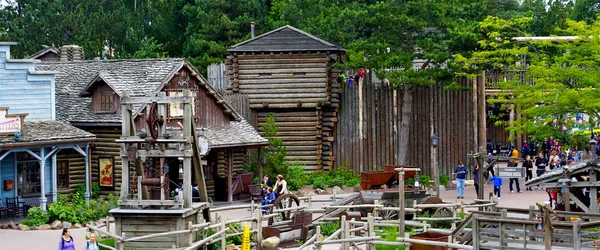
x: 157, y: 99
x: 260, y: 166
x: 165, y: 153
x: 594, y: 192
x: 229, y: 173
x: 579, y: 203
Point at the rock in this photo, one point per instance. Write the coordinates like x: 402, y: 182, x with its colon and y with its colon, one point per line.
x: 66, y: 224
x: 270, y: 243
x: 4, y: 226
x: 301, y: 193
x: 57, y: 225
x: 384, y: 186
x: 77, y: 225
x: 33, y: 228
x: 12, y: 226
x: 357, y: 188
x: 45, y: 227
x: 319, y: 191
x: 232, y: 247
x: 23, y: 227
x: 337, y: 190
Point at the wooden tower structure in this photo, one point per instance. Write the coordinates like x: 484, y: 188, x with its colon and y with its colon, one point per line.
x: 290, y: 73
x: 136, y: 212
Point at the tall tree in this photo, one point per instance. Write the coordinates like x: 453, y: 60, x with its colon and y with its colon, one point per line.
x: 561, y: 77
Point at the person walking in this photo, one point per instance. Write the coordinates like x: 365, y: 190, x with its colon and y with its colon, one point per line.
x: 91, y: 244
x: 497, y: 185
x: 514, y: 164
x: 460, y: 172
x: 528, y: 165
x: 476, y: 179
x: 66, y: 241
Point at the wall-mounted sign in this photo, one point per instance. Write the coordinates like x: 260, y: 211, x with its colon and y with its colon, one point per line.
x: 107, y: 175
x: 9, y: 124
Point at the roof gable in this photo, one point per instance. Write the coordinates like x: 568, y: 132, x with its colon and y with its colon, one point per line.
x: 89, y: 88
x: 41, y: 53
x: 285, y: 39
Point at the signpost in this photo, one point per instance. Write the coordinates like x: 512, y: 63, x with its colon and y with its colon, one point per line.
x: 9, y: 124
x: 511, y: 172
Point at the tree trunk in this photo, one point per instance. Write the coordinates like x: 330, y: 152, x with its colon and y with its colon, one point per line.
x: 407, y: 106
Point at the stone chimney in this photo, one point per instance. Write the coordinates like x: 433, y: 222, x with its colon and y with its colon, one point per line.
x: 71, y: 53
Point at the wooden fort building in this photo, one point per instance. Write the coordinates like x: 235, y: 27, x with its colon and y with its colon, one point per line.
x: 290, y: 73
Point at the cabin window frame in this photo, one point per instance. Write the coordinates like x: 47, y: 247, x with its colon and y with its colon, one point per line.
x: 105, y: 99
x: 62, y: 175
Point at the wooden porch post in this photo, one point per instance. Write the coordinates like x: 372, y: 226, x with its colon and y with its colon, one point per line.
x: 229, y: 173
x: 593, y: 191
x: 260, y: 166
x: 42, y: 160
x: 54, y: 179
x: 125, y: 130
x: 87, y: 194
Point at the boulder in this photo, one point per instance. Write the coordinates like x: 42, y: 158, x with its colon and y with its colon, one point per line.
x: 337, y: 190
x: 57, y: 225
x: 270, y: 243
x: 12, y: 226
x: 319, y: 191
x: 301, y: 193
x: 4, y: 226
x: 77, y: 225
x: 45, y: 227
x: 33, y: 228
x: 232, y: 247
x: 66, y: 224
x: 23, y: 227
x: 357, y: 188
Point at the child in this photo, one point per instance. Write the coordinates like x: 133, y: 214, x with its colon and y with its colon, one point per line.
x: 269, y: 198
x: 497, y: 185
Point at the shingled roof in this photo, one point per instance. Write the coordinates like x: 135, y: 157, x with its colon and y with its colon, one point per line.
x: 48, y: 49
x: 574, y: 169
x: 239, y: 133
x: 285, y: 39
x: 47, y: 132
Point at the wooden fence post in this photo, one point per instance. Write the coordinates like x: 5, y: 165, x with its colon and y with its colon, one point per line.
x: 576, y: 235
x: 531, y: 212
x: 371, y: 230
x: 344, y: 235
x: 475, y: 234
x: 191, y: 237
x: 504, y: 216
x: 223, y: 235
x: 122, y: 243
x: 108, y: 224
x: 318, y: 239
x: 258, y: 214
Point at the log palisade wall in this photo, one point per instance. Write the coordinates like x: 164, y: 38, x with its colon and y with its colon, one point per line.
x: 300, y: 90
x: 452, y: 113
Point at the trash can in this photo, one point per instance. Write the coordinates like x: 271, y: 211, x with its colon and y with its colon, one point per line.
x: 430, y: 237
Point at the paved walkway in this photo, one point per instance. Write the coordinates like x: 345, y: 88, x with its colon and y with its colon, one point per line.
x: 10, y: 239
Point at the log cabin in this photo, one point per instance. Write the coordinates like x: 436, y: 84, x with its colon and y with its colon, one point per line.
x: 88, y: 97
x: 290, y: 73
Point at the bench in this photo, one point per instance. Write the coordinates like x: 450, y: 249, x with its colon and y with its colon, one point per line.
x: 301, y: 221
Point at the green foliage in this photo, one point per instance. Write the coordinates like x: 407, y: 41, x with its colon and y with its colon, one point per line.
x: 106, y: 241
x: 237, y: 240
x: 319, y: 182
x: 329, y: 228
x: 425, y: 180
x: 276, y: 152
x: 296, y: 177
x: 75, y: 210
x: 444, y: 179
x: 37, y: 217
x: 389, y: 234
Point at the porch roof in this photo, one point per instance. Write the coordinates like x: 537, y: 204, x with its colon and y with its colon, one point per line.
x: 44, y: 133
x: 236, y: 134
x: 574, y: 169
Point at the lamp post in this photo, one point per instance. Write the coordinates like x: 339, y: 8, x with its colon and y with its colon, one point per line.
x: 435, y: 142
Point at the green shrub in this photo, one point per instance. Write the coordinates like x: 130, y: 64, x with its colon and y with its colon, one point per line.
x: 237, y: 240
x: 319, y: 182
x: 444, y: 179
x: 425, y: 180
x: 329, y: 228
x: 108, y: 241
x: 389, y: 234
x: 37, y: 217
x: 296, y: 177
x: 75, y: 210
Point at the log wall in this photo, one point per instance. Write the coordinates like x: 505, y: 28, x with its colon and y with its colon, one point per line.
x: 368, y: 143
x: 280, y: 80
x: 105, y: 146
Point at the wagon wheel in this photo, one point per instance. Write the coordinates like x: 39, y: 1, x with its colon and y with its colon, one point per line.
x: 285, y: 201
x: 432, y: 200
x: 388, y: 214
x: 153, y: 120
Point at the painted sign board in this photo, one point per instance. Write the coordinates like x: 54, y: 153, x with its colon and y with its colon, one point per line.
x: 9, y: 124
x: 510, y: 172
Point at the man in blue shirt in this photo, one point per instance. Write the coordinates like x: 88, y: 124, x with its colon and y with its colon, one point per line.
x: 460, y: 172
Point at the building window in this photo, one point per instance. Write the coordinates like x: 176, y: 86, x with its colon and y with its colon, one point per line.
x: 62, y: 174
x: 106, y: 102
x: 176, y: 109
x: 28, y: 174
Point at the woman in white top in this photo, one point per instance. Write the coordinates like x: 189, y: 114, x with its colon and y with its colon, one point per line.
x: 280, y: 186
